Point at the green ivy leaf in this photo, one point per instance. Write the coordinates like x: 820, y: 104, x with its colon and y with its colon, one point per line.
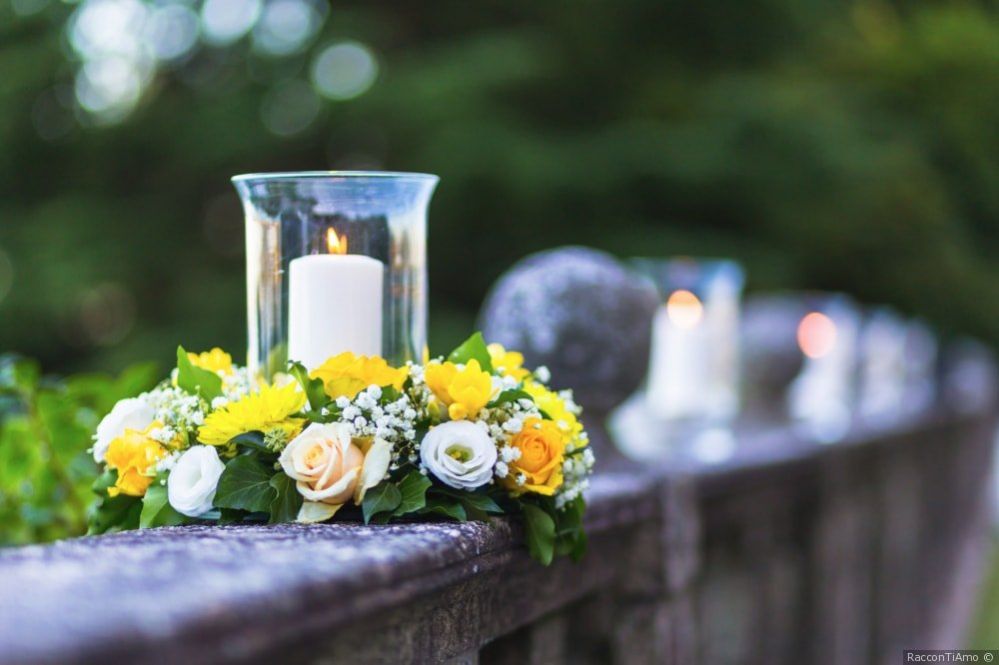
x: 380, y: 498
x: 195, y: 380
x: 473, y: 348
x: 539, y: 531
x: 253, y: 440
x: 511, y: 395
x: 232, y: 516
x: 446, y: 506
x: 476, y: 506
x: 156, y: 509
x: 413, y: 489
x: 112, y: 514
x: 246, y: 484
x: 285, y: 506
x: 314, y: 389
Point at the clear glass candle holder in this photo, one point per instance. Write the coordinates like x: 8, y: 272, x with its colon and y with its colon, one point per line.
x: 335, y: 262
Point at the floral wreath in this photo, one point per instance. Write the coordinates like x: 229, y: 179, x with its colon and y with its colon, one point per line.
x: 461, y: 438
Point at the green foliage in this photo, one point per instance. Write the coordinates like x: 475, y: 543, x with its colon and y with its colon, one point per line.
x: 382, y: 498
x: 196, y: 380
x: 413, y: 490
x: 313, y: 387
x: 46, y: 473
x: 287, y: 501
x: 473, y: 348
x: 246, y: 485
x: 539, y: 532
x: 156, y: 511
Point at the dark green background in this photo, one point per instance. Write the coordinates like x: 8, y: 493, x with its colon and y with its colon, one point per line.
x: 826, y: 144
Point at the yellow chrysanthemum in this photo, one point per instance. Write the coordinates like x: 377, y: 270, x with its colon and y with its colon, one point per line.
x: 215, y: 360
x: 269, y: 409
x: 464, y: 392
x: 134, y: 455
x: 507, y: 363
x: 552, y: 404
x: 345, y: 375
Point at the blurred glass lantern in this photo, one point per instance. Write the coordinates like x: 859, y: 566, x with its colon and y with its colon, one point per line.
x: 823, y: 394
x: 336, y: 261
x: 694, y: 358
x: 883, y: 364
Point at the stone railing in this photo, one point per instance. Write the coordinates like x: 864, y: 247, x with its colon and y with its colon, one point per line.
x: 789, y: 552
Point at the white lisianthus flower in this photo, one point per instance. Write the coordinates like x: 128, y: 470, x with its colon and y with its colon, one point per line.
x: 133, y: 413
x: 193, y: 481
x: 459, y: 453
x: 329, y: 468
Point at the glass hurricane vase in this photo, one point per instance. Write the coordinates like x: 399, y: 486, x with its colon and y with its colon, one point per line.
x: 335, y: 261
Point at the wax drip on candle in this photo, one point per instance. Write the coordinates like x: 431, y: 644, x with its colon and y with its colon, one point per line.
x: 336, y: 244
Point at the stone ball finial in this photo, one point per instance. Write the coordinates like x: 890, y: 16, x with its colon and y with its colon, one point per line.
x: 582, y: 314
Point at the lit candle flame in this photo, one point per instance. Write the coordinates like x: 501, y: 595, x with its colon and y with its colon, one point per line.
x: 816, y: 335
x: 336, y: 244
x: 684, y: 309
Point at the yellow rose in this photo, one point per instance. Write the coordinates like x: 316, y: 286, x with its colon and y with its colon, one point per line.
x: 134, y: 455
x: 216, y: 360
x: 542, y: 450
x: 552, y: 404
x: 463, y: 391
x: 345, y: 375
x: 507, y: 363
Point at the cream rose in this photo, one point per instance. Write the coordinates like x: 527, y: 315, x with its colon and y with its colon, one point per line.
x: 329, y: 467
x: 459, y: 453
x: 132, y: 413
x: 194, y: 479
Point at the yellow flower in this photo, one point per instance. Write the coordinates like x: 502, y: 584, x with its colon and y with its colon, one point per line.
x: 464, y: 392
x: 345, y: 375
x: 262, y: 411
x: 507, y: 363
x: 216, y: 360
x: 134, y: 455
x: 552, y: 404
x: 542, y: 450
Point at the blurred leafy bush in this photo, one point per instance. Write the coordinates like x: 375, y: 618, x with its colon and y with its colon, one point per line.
x: 827, y: 144
x: 46, y: 425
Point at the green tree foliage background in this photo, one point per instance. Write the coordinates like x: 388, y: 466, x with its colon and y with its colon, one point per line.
x: 825, y: 144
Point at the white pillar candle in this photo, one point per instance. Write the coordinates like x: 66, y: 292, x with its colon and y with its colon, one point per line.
x: 678, y: 374
x: 335, y: 305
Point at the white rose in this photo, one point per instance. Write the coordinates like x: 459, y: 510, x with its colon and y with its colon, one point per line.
x: 459, y: 453
x: 192, y: 482
x: 329, y: 468
x: 132, y: 413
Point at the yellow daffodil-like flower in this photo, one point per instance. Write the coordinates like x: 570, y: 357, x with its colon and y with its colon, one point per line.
x: 345, y: 375
x: 507, y: 363
x: 265, y: 411
x: 216, y: 360
x: 463, y: 391
x: 134, y: 455
x: 552, y: 404
x: 539, y: 468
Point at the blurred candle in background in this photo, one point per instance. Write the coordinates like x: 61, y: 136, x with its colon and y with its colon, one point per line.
x: 882, y: 374
x: 694, y: 357
x: 822, y: 394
